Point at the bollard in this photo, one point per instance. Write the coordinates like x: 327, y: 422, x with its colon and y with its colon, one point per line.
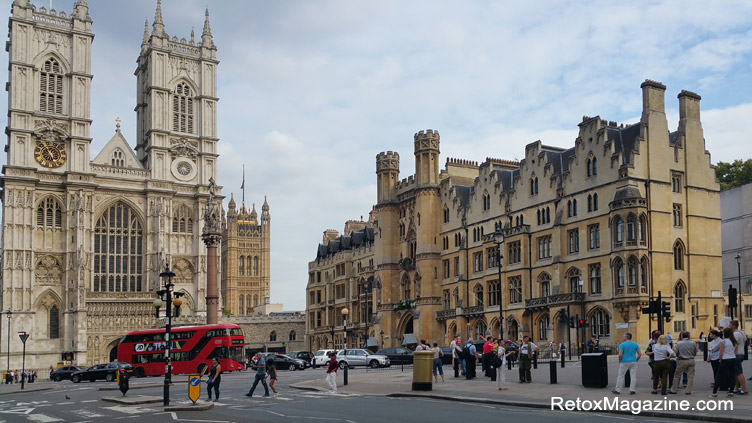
x: 344, y: 374
x: 705, y: 351
x: 535, y: 360
x: 563, y: 357
x: 509, y: 363
x: 552, y: 366
x: 422, y: 367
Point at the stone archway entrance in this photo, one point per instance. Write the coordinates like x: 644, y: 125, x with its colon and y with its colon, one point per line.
x: 113, y: 350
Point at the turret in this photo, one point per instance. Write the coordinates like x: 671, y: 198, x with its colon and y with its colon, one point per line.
x: 387, y: 175
x: 427, y: 157
x: 265, y: 216
x: 81, y: 11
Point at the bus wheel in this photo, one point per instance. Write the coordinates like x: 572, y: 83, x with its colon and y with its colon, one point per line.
x: 140, y: 372
x: 202, y: 368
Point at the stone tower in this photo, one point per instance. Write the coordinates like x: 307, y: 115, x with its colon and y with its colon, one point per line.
x: 177, y: 104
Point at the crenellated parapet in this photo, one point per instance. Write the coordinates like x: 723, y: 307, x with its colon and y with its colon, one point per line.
x: 387, y: 161
x: 426, y: 140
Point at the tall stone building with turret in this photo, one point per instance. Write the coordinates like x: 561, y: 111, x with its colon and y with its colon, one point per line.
x: 593, y: 232
x: 84, y: 240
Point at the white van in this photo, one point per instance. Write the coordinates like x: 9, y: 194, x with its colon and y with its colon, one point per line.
x: 321, y: 358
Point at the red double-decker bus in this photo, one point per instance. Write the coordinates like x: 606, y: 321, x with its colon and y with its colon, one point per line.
x: 191, y: 351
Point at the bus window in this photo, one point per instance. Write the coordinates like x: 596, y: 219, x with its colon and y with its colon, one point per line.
x: 236, y: 332
x: 182, y: 335
x: 236, y: 353
x: 219, y: 352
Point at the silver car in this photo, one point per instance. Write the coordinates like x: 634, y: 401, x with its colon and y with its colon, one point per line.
x: 358, y: 357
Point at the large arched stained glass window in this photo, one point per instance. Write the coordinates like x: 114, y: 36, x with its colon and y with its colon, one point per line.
x: 118, y: 251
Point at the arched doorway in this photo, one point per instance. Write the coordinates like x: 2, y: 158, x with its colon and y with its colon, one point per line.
x: 407, y: 332
x: 513, y: 329
x: 113, y: 349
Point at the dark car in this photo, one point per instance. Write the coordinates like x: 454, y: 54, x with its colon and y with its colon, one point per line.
x: 101, y: 371
x: 284, y: 362
x: 64, y: 373
x: 306, y: 356
x: 447, y: 357
x: 397, y: 355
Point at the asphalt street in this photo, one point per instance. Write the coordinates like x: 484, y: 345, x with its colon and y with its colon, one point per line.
x: 82, y: 402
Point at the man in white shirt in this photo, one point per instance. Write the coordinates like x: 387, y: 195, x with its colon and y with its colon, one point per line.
x: 741, y: 342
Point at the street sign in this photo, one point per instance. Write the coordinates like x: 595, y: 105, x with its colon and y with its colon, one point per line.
x: 194, y: 387
x: 24, y: 336
x: 622, y: 326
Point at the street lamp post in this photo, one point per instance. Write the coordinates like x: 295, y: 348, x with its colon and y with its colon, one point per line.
x: 344, y: 351
x: 739, y: 291
x: 9, y: 313
x: 331, y: 329
x: 498, y: 239
x: 24, y: 336
x: 166, y: 294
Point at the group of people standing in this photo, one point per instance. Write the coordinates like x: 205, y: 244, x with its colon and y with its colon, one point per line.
x: 674, y: 365
x: 493, y: 358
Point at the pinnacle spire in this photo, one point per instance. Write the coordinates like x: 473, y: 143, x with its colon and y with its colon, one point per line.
x: 158, y: 24
x: 193, y: 37
x: 81, y: 10
x: 146, y: 32
x: 206, y: 36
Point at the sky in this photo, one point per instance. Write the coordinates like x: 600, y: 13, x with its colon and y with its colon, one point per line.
x: 311, y: 91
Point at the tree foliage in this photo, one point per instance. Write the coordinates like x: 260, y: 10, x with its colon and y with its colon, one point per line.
x: 732, y: 175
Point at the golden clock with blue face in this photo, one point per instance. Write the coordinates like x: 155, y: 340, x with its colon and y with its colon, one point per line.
x: 50, y: 154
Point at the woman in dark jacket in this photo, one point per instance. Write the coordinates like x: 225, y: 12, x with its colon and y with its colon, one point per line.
x: 271, y: 370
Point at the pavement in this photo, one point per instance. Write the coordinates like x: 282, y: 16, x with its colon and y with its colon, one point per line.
x: 15, y: 388
x: 540, y: 393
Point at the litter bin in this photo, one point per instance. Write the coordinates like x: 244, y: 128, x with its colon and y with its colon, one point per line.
x: 422, y: 367
x: 594, y: 370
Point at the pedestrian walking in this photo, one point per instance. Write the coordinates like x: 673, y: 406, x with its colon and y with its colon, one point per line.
x: 629, y: 355
x: 741, y: 343
x: 501, y: 361
x: 214, y: 379
x: 525, y: 355
x: 728, y: 362
x: 714, y: 357
x: 661, y: 355
x: 271, y: 370
x: 471, y: 358
x: 686, y: 349
x: 488, y: 351
x: 458, y: 362
x: 438, y: 367
x: 331, y: 372
x: 260, y: 367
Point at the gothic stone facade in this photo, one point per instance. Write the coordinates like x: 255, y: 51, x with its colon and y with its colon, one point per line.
x: 597, y: 229
x: 246, y: 243
x: 84, y: 240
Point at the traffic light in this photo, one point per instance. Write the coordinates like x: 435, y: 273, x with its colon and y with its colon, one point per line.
x: 732, y: 297
x: 652, y: 307
x: 571, y: 322
x: 581, y: 323
x: 666, y: 310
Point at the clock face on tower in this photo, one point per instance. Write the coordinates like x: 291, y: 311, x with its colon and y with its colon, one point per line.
x: 50, y: 154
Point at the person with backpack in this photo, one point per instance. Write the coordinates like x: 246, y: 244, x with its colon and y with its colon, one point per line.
x: 422, y: 346
x: 438, y: 366
x: 458, y: 361
x: 525, y: 355
x: 471, y: 358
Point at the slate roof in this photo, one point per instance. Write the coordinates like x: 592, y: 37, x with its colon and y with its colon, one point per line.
x: 354, y: 240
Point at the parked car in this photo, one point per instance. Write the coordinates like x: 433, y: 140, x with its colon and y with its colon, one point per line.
x: 285, y: 362
x: 306, y: 356
x: 357, y: 357
x: 397, y: 355
x: 447, y: 357
x: 101, y: 371
x: 321, y: 358
x: 64, y: 373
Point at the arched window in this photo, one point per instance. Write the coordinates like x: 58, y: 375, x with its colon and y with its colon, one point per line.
x: 680, y: 292
x: 548, y: 215
x: 589, y: 167
x: 248, y: 266
x: 118, y: 250
x: 533, y: 186
x: 273, y: 336
x: 248, y: 305
x: 118, y: 158
x: 595, y: 278
x: 539, y: 216
x: 632, y: 271
x: 618, y: 272
x: 241, y: 305
x: 600, y: 324
x: 544, y: 280
x: 594, y: 164
x: 678, y: 256
x: 447, y: 301
x: 456, y: 297
x: 494, y: 288
x: 589, y: 203
x: 241, y: 265
x: 574, y: 207
x: 51, y: 87
x: 54, y: 323
x: 643, y: 229
x: 291, y: 336
x: 49, y: 214
x: 644, y: 272
x: 569, y: 208
x: 182, y: 220
x: 182, y: 109
x: 406, y: 288
x: 446, y: 214
x: 631, y: 232
x: 618, y: 230
x: 513, y: 331
x: 543, y: 324
x: 595, y: 201
x: 575, y: 276
x: 478, y: 291
x: 255, y: 300
x: 480, y: 329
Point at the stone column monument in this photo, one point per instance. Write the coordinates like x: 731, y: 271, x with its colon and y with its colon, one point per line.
x: 212, y: 237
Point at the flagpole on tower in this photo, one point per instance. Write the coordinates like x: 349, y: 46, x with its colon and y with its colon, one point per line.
x: 242, y: 187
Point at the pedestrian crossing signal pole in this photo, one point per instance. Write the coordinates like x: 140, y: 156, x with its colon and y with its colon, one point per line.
x: 344, y: 352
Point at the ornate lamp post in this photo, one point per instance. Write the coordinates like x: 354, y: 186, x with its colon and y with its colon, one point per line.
x: 344, y: 351
x: 166, y: 294
x: 498, y: 240
x: 24, y: 336
x: 739, y: 274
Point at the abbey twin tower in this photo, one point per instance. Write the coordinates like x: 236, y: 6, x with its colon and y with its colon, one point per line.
x: 84, y: 240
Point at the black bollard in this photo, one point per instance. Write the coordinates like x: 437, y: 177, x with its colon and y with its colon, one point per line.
x: 123, y: 382
x: 562, y: 360
x: 535, y: 360
x: 705, y: 351
x: 552, y: 366
x: 345, y: 374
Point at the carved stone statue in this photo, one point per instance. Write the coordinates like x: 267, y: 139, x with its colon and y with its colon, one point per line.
x: 212, y: 213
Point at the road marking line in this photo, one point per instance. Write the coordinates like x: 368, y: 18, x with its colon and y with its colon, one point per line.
x: 65, y: 403
x: 89, y: 401
x: 43, y: 418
